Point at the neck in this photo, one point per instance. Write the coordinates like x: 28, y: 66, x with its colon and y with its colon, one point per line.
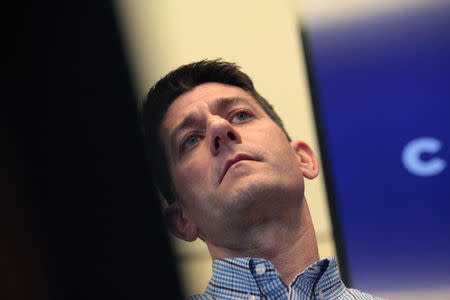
x: 289, y: 246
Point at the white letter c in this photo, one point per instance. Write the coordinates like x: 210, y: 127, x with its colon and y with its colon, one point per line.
x: 415, y: 164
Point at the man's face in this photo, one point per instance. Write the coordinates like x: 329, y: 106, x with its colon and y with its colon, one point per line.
x: 230, y: 163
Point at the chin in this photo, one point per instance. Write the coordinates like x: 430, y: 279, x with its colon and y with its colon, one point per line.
x: 256, y: 189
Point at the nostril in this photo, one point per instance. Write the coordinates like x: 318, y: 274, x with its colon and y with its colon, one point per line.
x: 231, y: 136
x: 216, y: 142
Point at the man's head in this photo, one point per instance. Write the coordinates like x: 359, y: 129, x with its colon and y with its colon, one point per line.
x: 176, y: 83
x: 216, y: 145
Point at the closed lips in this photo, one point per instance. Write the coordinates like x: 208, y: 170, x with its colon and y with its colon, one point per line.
x: 234, y: 160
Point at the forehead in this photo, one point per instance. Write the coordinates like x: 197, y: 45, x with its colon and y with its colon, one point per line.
x: 202, y: 96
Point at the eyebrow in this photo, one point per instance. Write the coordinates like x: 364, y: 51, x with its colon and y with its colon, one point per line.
x: 219, y: 105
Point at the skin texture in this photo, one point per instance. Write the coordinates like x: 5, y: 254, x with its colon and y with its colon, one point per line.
x: 240, y: 181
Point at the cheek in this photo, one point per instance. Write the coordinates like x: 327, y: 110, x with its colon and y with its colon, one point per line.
x: 273, y: 139
x: 279, y: 150
x: 191, y: 179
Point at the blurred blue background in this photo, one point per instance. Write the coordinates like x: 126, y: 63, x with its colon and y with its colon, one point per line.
x: 381, y: 84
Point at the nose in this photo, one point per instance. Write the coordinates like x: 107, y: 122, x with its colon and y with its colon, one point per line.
x: 221, y: 134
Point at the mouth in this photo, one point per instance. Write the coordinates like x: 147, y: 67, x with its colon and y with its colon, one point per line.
x: 232, y: 161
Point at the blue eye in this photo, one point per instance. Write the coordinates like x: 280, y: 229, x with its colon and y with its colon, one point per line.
x: 190, y: 141
x: 242, y: 116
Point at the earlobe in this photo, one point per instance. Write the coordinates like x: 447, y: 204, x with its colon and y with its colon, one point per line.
x: 307, y: 160
x: 179, y: 224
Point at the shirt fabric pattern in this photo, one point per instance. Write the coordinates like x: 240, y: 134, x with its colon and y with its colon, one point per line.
x: 256, y: 278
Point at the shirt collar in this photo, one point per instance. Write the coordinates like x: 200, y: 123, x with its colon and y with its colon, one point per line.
x: 256, y: 276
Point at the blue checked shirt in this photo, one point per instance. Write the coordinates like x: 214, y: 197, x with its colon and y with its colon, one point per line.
x: 257, y: 278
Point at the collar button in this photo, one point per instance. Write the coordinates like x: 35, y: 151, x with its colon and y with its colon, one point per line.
x: 260, y: 269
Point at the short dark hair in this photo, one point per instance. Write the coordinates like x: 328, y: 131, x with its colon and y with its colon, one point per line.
x: 169, y: 88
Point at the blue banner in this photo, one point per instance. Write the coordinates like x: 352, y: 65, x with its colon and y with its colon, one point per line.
x: 383, y: 90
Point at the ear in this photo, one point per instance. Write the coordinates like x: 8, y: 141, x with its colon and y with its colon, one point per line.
x: 307, y: 159
x: 179, y: 224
